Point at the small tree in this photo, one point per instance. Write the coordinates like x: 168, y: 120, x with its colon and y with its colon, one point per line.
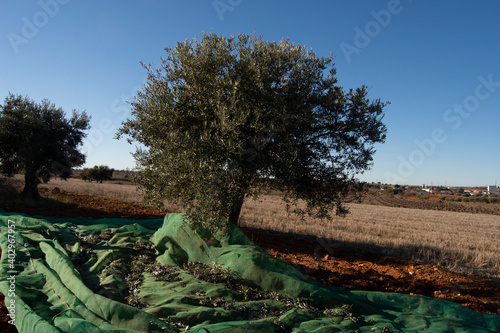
x: 225, y: 115
x: 38, y: 140
x: 85, y: 175
x: 97, y: 173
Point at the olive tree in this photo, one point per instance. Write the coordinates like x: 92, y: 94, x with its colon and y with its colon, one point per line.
x: 97, y: 173
x: 37, y: 139
x: 223, y: 117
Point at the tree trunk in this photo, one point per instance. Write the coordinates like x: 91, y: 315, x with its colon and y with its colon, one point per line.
x: 234, y: 215
x: 30, y: 190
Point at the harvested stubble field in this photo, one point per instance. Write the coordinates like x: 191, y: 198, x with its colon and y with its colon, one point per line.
x: 462, y: 242
x: 118, y: 189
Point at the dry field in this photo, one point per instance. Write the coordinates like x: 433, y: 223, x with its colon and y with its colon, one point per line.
x: 462, y: 242
x: 116, y: 189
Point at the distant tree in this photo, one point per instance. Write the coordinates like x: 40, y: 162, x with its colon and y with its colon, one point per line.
x: 397, y: 191
x: 224, y: 114
x: 37, y: 139
x: 85, y: 174
x: 127, y: 174
x: 388, y: 190
x: 97, y: 173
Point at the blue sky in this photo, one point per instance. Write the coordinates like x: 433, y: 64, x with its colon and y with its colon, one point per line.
x: 436, y: 62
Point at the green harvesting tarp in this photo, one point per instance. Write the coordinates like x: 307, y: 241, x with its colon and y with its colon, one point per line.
x: 116, y: 275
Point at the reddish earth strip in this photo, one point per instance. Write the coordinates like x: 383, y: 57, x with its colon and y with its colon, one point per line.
x: 361, y: 271
x: 341, y: 268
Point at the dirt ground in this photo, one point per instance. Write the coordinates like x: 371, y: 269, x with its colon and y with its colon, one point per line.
x: 336, y: 267
x: 362, y: 271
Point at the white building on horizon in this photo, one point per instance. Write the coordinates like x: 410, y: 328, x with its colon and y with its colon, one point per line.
x: 425, y: 188
x: 491, y: 190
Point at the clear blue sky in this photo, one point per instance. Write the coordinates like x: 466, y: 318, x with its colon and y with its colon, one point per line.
x: 436, y: 61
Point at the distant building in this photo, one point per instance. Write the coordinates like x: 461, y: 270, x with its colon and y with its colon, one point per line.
x: 427, y: 189
x: 491, y: 190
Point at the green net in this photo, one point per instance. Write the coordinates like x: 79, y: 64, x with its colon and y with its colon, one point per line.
x: 117, y: 275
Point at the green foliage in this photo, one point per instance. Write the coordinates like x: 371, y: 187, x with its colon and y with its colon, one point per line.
x: 222, y: 116
x: 97, y: 173
x: 37, y: 139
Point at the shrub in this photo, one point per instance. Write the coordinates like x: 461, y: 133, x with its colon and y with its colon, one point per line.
x: 495, y: 199
x: 398, y: 191
x: 481, y: 199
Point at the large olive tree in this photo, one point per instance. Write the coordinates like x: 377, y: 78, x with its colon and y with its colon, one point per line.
x: 224, y: 117
x: 37, y: 139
